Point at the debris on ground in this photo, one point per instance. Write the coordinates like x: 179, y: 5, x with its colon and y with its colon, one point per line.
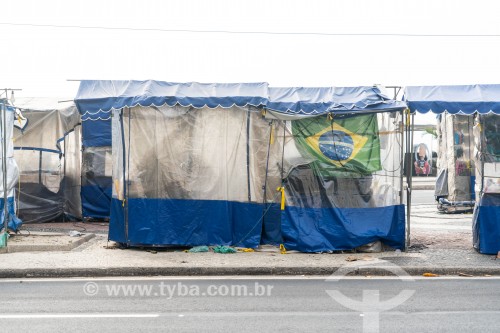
x: 3, y: 239
x: 114, y: 246
x: 198, y: 249
x: 74, y: 233
x: 373, y: 247
x: 416, y: 248
x: 430, y: 275
x: 223, y: 249
x: 245, y: 249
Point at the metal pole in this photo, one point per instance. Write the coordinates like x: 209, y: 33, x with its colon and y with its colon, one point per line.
x: 4, y: 156
x: 481, y: 158
x: 4, y: 162
x: 40, y: 156
x: 248, y: 156
x: 264, y: 188
x: 403, y: 157
x: 408, y: 170
x: 410, y: 175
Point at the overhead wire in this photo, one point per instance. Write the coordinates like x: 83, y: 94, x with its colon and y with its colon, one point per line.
x: 296, y: 33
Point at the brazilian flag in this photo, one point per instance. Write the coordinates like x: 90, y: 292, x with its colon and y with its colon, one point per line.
x: 344, y: 147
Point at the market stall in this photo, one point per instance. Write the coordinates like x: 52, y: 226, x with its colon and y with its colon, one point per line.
x: 47, y: 151
x: 245, y: 164
x: 472, y: 160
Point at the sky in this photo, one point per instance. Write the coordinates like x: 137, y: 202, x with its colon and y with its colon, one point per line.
x: 286, y: 43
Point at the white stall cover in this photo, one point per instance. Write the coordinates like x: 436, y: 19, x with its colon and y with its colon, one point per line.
x: 6, y: 129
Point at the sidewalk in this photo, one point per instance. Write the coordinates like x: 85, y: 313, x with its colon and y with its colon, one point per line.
x: 440, y: 244
x: 423, y: 183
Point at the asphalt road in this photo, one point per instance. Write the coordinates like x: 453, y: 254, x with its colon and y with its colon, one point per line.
x: 422, y: 197
x: 270, y: 305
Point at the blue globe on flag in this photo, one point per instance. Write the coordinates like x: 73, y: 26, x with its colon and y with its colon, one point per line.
x: 336, y: 145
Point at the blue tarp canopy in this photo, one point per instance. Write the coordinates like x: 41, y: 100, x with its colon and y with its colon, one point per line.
x: 464, y: 99
x: 95, y: 96
x: 317, y: 101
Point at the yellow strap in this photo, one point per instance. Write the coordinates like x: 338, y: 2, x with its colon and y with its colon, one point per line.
x: 246, y: 249
x: 282, y: 190
x: 282, y: 249
x: 271, y: 139
x: 118, y: 192
x: 407, y: 111
x: 13, y: 139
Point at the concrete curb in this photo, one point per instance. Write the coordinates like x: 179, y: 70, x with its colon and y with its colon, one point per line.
x: 423, y: 187
x: 11, y: 248
x: 226, y: 271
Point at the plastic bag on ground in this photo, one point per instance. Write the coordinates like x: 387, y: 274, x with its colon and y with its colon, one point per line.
x: 198, y: 249
x: 224, y: 249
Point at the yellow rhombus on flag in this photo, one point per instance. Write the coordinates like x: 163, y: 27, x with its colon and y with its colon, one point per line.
x: 344, y: 151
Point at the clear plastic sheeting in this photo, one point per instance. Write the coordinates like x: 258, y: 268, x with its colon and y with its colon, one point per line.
x: 96, y: 166
x: 339, y: 171
x: 482, y: 103
x: 196, y: 154
x: 96, y: 181
x: 71, y: 146
x: 455, y: 160
x: 201, y: 173
x: 486, y: 220
x: 12, y: 168
x: 48, y: 154
x: 8, y: 180
x: 489, y: 147
x: 360, y: 172
x: 441, y: 189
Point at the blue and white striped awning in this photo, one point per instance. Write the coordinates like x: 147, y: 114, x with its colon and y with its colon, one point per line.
x: 317, y: 101
x: 464, y: 99
x: 96, y: 98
